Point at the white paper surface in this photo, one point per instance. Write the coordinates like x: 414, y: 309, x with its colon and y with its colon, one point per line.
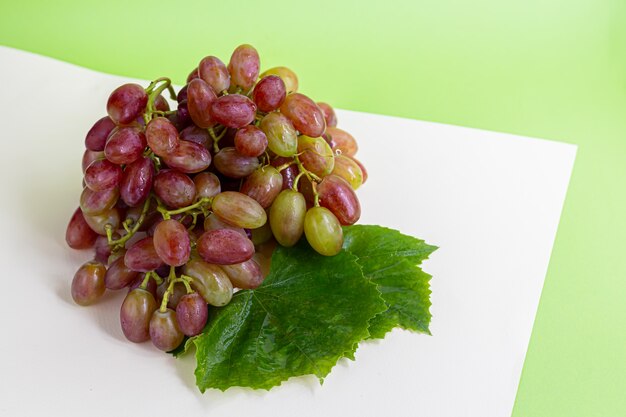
x: 490, y: 201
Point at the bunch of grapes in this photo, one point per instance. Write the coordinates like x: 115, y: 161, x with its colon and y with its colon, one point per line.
x: 177, y: 203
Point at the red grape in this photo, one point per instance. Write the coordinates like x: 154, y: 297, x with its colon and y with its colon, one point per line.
x: 98, y: 134
x: 127, y: 103
x: 213, y: 71
x: 200, y: 95
x: 174, y: 188
x: 250, y: 141
x: 244, y: 67
x: 171, y: 242
x: 125, y: 145
x: 233, y: 110
x: 78, y: 234
x: 269, y: 93
x: 137, y: 181
x: 102, y: 175
x: 305, y: 115
x: 161, y: 136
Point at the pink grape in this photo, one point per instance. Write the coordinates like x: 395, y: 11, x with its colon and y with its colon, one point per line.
x: 213, y: 71
x: 78, y: 234
x: 102, y: 175
x: 137, y: 180
x: 125, y: 145
x: 126, y: 103
x: 171, y: 242
x: 98, y: 134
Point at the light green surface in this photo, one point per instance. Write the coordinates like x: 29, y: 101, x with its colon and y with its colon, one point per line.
x: 547, y: 68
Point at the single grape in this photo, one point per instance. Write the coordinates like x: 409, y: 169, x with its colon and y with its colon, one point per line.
x: 93, y: 203
x: 233, y: 110
x: 89, y: 157
x: 195, y: 134
x: 323, y: 231
x: 127, y: 103
x: 102, y: 250
x: 137, y: 182
x: 183, y: 118
x: 245, y: 275
x: 363, y: 170
x: 213, y: 71
x: 316, y: 155
x: 239, y: 210
x: 193, y: 75
x: 224, y: 247
x: 135, y: 315
x: 305, y: 115
x: 164, y: 331
x: 207, y: 185
x: 171, y: 242
x: 192, y: 314
x: 349, y: 170
x: 282, y: 138
x: 234, y: 165
x: 119, y: 275
x: 342, y: 140
x: 263, y: 256
x: 210, y: 281
x: 200, y: 95
x: 329, y: 114
x: 161, y: 104
x: 338, y: 196
x: 213, y: 222
x: 188, y: 157
x: 102, y: 175
x: 88, y: 283
x: 161, y: 136
x: 244, y: 67
x: 269, y: 93
x: 287, y: 215
x: 182, y: 94
x: 98, y: 134
x: 263, y: 185
x: 174, y: 188
x: 125, y: 145
x: 78, y: 234
x: 288, y: 76
x: 250, y: 141
x: 98, y: 222
x: 142, y: 256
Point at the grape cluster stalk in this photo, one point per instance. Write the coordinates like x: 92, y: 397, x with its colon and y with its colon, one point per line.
x: 185, y: 206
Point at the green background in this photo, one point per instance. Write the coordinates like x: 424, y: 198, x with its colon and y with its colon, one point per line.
x: 553, y: 69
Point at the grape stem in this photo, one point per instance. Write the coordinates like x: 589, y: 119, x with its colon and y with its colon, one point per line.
x: 153, y: 275
x: 119, y: 243
x: 153, y: 92
x: 167, y: 214
x: 172, y: 280
x: 216, y: 138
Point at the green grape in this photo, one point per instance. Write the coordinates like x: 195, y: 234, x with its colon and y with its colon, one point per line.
x: 349, y: 170
x: 239, y: 210
x: 323, y: 231
x: 210, y: 281
x: 281, y: 135
x: 287, y: 217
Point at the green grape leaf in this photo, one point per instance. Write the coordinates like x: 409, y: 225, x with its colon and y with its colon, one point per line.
x: 390, y: 260
x: 309, y: 312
